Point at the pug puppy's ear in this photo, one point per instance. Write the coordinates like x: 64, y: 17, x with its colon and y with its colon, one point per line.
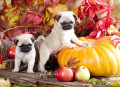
x: 32, y: 38
x: 16, y: 41
x: 57, y: 17
x: 75, y: 16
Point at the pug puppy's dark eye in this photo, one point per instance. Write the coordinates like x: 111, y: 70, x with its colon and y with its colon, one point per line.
x: 64, y: 23
x: 23, y: 45
x: 71, y: 22
x: 29, y: 45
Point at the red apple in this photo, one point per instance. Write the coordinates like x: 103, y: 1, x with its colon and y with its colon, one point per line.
x: 82, y: 73
x: 64, y: 74
x: 11, y: 52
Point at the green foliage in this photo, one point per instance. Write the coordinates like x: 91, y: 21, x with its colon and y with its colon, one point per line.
x: 18, y: 86
x: 97, y: 81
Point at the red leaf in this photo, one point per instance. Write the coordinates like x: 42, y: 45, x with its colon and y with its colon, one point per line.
x: 22, y: 20
x: 80, y: 14
x: 17, y: 32
x: 4, y: 41
x: 96, y: 34
x: 0, y: 42
x: 93, y: 34
x: 101, y: 2
x: 114, y: 37
x: 1, y: 59
x: 30, y: 17
x: 35, y: 32
x: 55, y: 2
x: 109, y: 14
x: 2, y: 35
x: 37, y: 20
x: 116, y: 42
x: 101, y: 11
x: 91, y: 2
x: 101, y: 24
x: 46, y: 2
x: 99, y: 34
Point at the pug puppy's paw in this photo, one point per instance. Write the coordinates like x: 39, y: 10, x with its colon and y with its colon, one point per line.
x: 80, y: 43
x: 72, y: 46
x: 15, y: 70
x: 42, y: 70
x: 30, y: 72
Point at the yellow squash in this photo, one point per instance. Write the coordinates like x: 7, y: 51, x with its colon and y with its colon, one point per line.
x: 101, y: 57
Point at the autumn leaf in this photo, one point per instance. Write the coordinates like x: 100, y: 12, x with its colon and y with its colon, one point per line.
x: 12, y: 21
x: 115, y: 39
x: 28, y: 3
x: 26, y: 9
x: 38, y: 2
x: 0, y: 42
x: 51, y: 21
x: 4, y: 83
x: 8, y: 2
x: 56, y: 9
x: 46, y: 2
x: 15, y: 3
x: 55, y: 2
x: 3, y: 41
x: 75, y: 11
x: 47, y: 17
x: 15, y: 11
x: 37, y: 20
x: 72, y: 62
x: 4, y: 11
x: 64, y: 1
x: 31, y: 18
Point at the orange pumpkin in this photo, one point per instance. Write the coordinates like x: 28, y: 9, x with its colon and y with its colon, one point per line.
x: 101, y: 57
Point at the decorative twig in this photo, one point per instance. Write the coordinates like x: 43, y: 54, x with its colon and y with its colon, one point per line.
x: 17, y: 27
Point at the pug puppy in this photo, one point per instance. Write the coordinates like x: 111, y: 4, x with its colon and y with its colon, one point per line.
x: 25, y: 52
x: 60, y: 36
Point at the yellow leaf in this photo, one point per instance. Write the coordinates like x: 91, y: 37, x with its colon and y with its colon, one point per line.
x: 47, y: 17
x: 58, y: 8
x: 26, y: 9
x: 37, y: 2
x: 8, y: 2
x: 15, y: 11
x: 12, y: 21
x: 4, y: 83
x: 1, y: 2
x: 51, y: 21
x: 76, y: 11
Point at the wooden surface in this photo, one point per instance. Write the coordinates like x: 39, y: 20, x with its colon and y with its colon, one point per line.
x: 35, y: 80
x: 7, y: 64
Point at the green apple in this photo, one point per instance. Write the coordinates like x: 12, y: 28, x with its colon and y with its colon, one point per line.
x: 82, y: 73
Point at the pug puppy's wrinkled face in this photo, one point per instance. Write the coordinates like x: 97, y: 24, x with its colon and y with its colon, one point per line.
x: 24, y: 42
x: 66, y: 20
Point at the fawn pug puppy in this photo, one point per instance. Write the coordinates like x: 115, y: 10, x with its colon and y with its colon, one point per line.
x: 25, y: 52
x: 60, y: 36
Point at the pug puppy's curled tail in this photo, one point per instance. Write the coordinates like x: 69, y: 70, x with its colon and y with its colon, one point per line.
x: 39, y: 40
